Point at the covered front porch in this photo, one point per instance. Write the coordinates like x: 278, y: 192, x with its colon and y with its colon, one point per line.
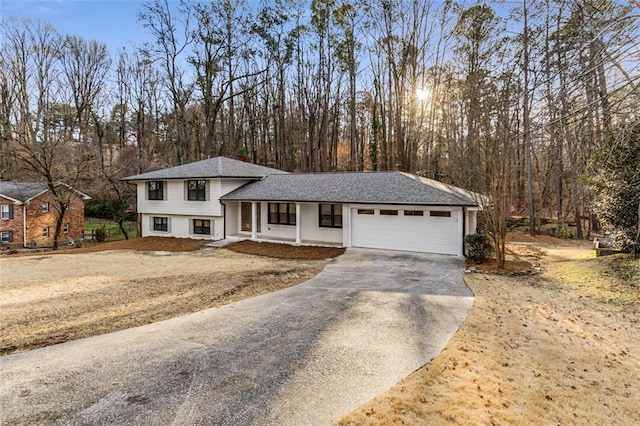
x: 298, y: 223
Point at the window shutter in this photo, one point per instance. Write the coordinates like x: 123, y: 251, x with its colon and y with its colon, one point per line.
x: 212, y: 227
x: 191, y: 226
x: 186, y: 190
x: 168, y: 224
x: 151, y: 222
x: 10, y: 211
x: 207, y: 190
x: 11, y: 232
x: 146, y: 190
x: 165, y: 189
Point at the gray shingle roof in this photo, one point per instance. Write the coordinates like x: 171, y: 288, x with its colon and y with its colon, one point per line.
x: 210, y: 168
x: 22, y: 191
x: 362, y: 187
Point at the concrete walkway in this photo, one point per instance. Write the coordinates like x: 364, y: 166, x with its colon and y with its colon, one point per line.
x: 303, y: 355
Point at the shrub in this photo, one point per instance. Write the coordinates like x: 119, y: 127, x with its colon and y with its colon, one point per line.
x: 478, y: 247
x: 561, y: 230
x: 101, y: 235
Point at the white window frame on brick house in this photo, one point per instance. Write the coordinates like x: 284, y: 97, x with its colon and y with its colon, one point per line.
x: 45, y: 232
x: 65, y: 228
x: 45, y: 207
x: 5, y: 211
x: 6, y: 236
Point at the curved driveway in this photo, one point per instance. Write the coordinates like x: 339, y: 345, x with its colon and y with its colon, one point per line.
x: 304, y: 355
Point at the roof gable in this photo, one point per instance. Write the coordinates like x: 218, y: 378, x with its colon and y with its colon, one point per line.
x: 355, y: 187
x: 21, y: 192
x: 218, y: 167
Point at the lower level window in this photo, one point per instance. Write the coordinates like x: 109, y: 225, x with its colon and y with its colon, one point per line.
x: 201, y: 227
x: 45, y: 232
x: 65, y: 228
x: 161, y: 224
x: 331, y: 215
x: 282, y: 213
x: 6, y: 237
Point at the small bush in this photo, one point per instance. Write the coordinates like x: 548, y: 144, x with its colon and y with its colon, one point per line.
x: 561, y: 230
x: 478, y: 247
x: 101, y: 235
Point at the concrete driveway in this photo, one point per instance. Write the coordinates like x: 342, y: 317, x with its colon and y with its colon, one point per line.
x: 303, y: 355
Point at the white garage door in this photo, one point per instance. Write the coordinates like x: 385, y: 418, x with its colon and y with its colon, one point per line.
x: 429, y: 231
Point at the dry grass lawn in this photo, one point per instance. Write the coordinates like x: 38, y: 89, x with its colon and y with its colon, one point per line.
x: 561, y: 347
x: 55, y: 297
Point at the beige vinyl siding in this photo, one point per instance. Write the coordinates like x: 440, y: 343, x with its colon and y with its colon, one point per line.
x: 176, y: 202
x: 180, y: 226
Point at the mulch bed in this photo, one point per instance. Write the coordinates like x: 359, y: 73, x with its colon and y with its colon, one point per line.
x: 285, y: 251
x: 172, y: 244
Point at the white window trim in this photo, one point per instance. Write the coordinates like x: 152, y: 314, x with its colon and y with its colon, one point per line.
x: 45, y: 207
x: 5, y: 211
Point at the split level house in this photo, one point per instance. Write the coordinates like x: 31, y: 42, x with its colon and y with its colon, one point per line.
x: 221, y: 197
x: 28, y: 214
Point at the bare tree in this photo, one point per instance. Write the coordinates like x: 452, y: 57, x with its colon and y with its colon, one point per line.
x: 41, y: 115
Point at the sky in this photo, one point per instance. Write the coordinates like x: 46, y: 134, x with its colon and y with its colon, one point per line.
x: 113, y: 22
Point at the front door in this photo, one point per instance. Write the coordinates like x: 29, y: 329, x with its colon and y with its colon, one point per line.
x: 245, y: 217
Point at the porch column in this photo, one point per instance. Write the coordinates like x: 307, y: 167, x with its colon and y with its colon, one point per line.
x: 254, y: 221
x: 298, y: 229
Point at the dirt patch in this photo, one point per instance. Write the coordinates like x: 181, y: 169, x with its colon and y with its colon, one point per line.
x: 50, y: 299
x: 285, y: 251
x: 491, y: 266
x: 559, y: 347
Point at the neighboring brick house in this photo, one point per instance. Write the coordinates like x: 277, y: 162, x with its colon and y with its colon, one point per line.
x: 28, y: 215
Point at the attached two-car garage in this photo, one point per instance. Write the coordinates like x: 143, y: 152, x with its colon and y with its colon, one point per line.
x: 425, y: 229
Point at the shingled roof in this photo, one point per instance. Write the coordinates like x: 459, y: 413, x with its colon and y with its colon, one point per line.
x: 218, y: 167
x: 362, y: 187
x: 22, y: 191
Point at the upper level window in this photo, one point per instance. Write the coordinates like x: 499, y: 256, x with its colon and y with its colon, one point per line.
x: 155, y: 190
x: 6, y: 211
x: 196, y: 190
x: 45, y: 207
x: 330, y: 215
x: 282, y: 213
x: 45, y: 232
x: 439, y: 213
x: 65, y: 228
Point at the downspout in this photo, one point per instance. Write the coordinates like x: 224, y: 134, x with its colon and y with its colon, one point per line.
x: 464, y: 228
x: 224, y: 219
x: 24, y: 225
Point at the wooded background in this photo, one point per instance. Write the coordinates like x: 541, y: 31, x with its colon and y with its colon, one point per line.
x: 507, y: 99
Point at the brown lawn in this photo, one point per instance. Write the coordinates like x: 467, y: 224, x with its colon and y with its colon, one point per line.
x: 54, y: 297
x: 560, y: 347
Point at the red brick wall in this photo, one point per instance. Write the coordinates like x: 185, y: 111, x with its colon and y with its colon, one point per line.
x: 14, y: 224
x: 37, y: 220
